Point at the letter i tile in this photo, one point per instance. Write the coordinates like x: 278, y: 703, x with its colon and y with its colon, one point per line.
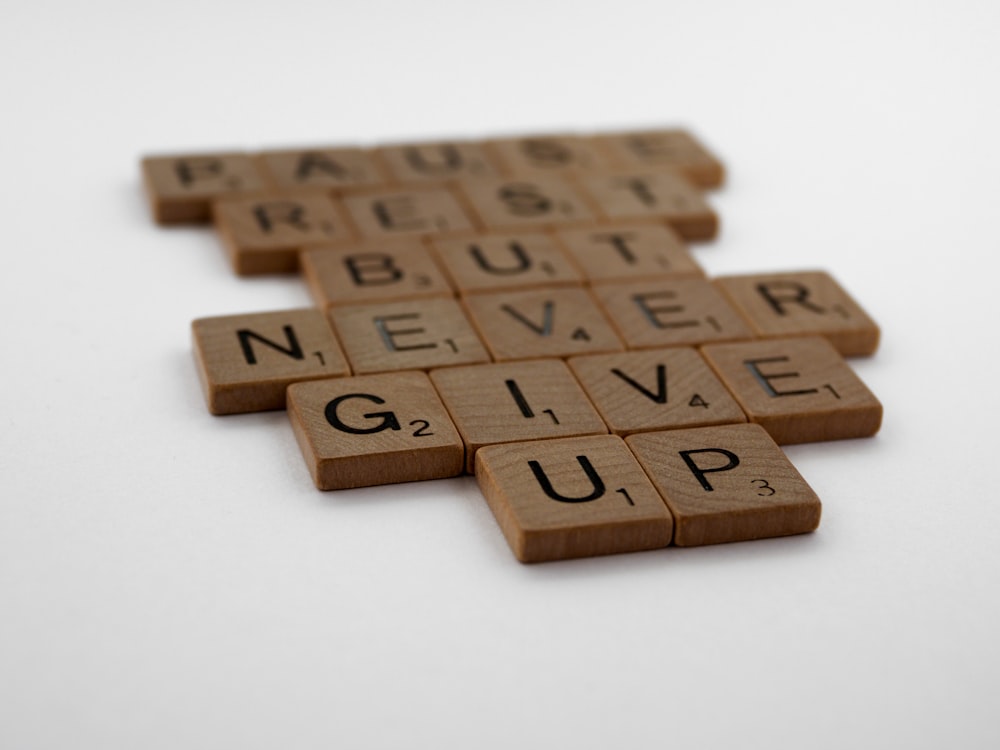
x: 574, y: 497
x: 726, y: 484
x: 507, y: 402
x: 374, y: 429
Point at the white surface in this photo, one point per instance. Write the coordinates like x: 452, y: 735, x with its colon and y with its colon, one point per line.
x: 169, y: 579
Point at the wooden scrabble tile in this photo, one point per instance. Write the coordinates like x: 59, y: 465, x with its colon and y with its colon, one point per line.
x: 509, y: 402
x: 525, y: 203
x: 577, y: 497
x: 670, y: 312
x: 547, y: 154
x: 726, y: 484
x: 624, y: 251
x: 406, y: 335
x: 673, y: 149
x: 422, y: 163
x: 800, y: 390
x: 802, y: 303
x: 545, y: 322
x: 410, y: 212
x: 372, y: 272
x: 374, y: 429
x: 655, y: 389
x: 264, y: 234
x: 491, y: 262
x: 652, y: 196
x: 181, y: 189
x: 335, y: 169
x: 245, y: 362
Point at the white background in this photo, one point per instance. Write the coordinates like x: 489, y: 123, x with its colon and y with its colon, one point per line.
x: 173, y: 580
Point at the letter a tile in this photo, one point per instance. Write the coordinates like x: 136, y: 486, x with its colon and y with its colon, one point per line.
x: 374, y: 429
x: 576, y: 497
x: 726, y: 484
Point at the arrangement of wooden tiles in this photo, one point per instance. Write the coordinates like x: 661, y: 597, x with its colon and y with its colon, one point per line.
x: 527, y: 310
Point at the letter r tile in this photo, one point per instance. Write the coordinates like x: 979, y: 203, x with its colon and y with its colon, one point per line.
x: 374, y: 429
x: 726, y: 484
x: 264, y: 234
x: 802, y: 303
x: 573, y: 497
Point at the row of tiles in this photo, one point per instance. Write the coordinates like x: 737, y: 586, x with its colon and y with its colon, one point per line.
x: 182, y: 187
x: 578, y: 497
x: 265, y: 234
x: 239, y: 353
x: 799, y: 390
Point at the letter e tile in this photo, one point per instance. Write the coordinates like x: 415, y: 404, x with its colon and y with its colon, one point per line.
x: 800, y: 390
x: 670, y: 312
x: 575, y: 497
x: 406, y: 335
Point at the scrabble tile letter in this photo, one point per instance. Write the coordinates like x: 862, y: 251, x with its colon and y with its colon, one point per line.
x: 410, y: 335
x: 245, y: 362
x: 541, y: 323
x: 181, y: 188
x: 802, y: 303
x: 374, y: 429
x: 655, y: 389
x: 510, y: 402
x: 800, y: 390
x: 577, y: 497
x: 726, y: 484
x: 265, y: 235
